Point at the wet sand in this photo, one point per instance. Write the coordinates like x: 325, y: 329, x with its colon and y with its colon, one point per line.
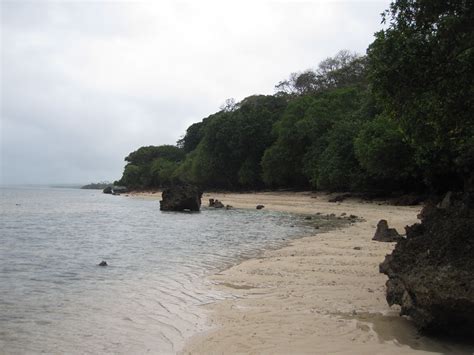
x: 321, y: 294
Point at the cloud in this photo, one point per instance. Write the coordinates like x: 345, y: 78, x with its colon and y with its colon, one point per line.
x: 85, y: 83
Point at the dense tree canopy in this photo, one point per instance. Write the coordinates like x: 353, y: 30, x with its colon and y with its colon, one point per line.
x: 422, y: 71
x: 399, y: 118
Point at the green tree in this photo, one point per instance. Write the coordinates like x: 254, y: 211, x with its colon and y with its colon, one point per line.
x: 193, y: 136
x: 338, y: 167
x: 146, y: 155
x: 422, y: 72
x: 384, y: 154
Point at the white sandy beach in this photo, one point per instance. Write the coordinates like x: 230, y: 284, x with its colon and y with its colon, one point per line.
x: 320, y: 295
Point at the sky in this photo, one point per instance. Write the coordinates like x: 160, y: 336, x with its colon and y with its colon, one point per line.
x: 84, y: 83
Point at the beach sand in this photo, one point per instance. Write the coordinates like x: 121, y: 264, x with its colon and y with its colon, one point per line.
x: 321, y: 294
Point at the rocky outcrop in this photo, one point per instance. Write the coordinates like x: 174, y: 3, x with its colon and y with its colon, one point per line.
x: 431, y: 272
x: 181, y: 197
x: 107, y: 190
x: 259, y: 207
x: 115, y: 190
x: 385, y: 234
x: 119, y: 189
x: 215, y: 203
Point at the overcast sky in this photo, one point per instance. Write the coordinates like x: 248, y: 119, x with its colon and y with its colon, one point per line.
x: 84, y: 83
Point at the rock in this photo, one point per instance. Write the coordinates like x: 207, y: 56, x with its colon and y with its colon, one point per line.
x: 446, y: 201
x: 103, y: 263
x: 181, y: 197
x: 430, y: 273
x: 107, y: 190
x: 339, y: 198
x: 385, y: 234
x: 115, y: 190
x: 357, y: 248
x: 215, y: 203
x: 228, y: 207
x: 308, y: 218
x: 259, y: 207
x: 427, y: 211
x: 119, y: 189
x: 218, y: 204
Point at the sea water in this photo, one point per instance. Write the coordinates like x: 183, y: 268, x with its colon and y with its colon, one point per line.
x: 54, y: 298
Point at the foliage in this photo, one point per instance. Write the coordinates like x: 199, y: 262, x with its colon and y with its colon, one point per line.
x: 338, y: 167
x: 383, y: 153
x: 399, y: 118
x: 293, y: 160
x: 96, y: 185
x: 151, y: 166
x: 422, y: 71
x: 193, y: 136
x: 146, y: 155
x: 344, y: 69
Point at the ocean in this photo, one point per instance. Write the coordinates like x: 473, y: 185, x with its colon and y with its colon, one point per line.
x: 54, y: 298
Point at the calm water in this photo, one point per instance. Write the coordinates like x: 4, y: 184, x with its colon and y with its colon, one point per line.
x: 54, y: 297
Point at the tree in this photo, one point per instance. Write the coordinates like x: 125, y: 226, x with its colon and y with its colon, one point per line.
x: 193, y: 136
x: 145, y: 155
x: 338, y: 167
x: 344, y: 69
x: 151, y: 166
x: 383, y: 153
x: 422, y: 72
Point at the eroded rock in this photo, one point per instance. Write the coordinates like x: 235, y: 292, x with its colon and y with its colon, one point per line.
x: 215, y: 203
x: 386, y: 234
x: 182, y: 197
x: 431, y: 272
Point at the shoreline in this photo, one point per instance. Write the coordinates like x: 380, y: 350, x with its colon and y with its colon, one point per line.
x: 318, y: 294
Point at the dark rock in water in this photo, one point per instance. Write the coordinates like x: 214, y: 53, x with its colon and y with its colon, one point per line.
x: 183, y: 197
x: 119, y: 189
x: 431, y: 272
x: 103, y: 263
x: 218, y: 204
x: 259, y: 207
x: 228, y: 207
x: 215, y: 203
x: 115, y: 190
x: 385, y: 234
x: 107, y: 190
